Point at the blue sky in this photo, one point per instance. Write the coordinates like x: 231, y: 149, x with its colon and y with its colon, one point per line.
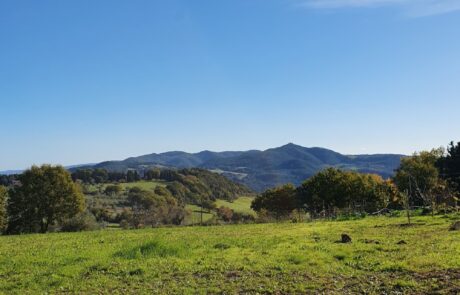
x: 91, y: 80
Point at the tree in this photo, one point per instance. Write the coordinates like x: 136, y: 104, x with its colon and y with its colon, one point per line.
x: 225, y: 213
x: 152, y: 174
x: 46, y: 195
x: 114, y: 176
x: 418, y: 176
x: 85, y: 175
x: 280, y: 201
x: 333, y: 189
x: 132, y: 176
x: 3, y: 215
x: 153, y: 208
x: 113, y: 189
x: 100, y: 175
x: 449, y: 166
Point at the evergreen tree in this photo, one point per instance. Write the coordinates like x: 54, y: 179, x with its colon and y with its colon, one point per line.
x: 3, y: 215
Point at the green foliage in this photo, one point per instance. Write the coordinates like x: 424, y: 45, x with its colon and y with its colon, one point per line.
x: 283, y: 258
x: 46, y: 195
x: 132, y: 176
x: 418, y: 176
x: 280, y: 201
x: 197, y: 185
x: 152, y: 174
x: 3, y: 213
x: 333, y: 189
x: 113, y: 189
x: 153, y: 208
x: 449, y: 166
x: 84, y: 221
x: 261, y: 170
x: 193, y: 186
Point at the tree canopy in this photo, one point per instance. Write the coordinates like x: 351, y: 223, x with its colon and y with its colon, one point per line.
x: 280, y: 200
x: 45, y: 195
x: 333, y: 189
x: 153, y: 208
x: 3, y: 214
x: 449, y: 165
x: 418, y: 176
x: 329, y: 191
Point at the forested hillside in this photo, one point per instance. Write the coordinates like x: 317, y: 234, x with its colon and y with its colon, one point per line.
x: 260, y: 170
x: 191, y: 186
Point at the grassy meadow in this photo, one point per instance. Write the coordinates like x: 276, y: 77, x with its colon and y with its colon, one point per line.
x: 240, y: 205
x: 195, y: 215
x: 252, y: 259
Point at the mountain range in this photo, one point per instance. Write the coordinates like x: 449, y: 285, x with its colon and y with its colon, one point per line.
x: 260, y: 170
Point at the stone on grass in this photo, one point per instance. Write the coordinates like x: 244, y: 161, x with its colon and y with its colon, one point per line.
x: 345, y: 239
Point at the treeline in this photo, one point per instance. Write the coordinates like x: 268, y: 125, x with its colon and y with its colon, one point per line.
x: 97, y: 176
x: 429, y: 180
x: 7, y: 180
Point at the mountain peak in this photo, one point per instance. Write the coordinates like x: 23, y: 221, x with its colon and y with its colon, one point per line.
x: 290, y: 146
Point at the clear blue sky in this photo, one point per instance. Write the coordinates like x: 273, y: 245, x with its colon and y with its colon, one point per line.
x: 83, y: 81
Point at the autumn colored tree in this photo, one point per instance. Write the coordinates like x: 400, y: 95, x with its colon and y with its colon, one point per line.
x: 419, y: 178
x: 225, y: 213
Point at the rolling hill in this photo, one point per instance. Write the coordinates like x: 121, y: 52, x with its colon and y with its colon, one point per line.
x: 260, y: 170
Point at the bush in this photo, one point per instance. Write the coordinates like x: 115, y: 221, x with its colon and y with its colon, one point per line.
x: 239, y: 217
x: 264, y: 216
x: 82, y: 222
x: 297, y: 216
x: 225, y: 213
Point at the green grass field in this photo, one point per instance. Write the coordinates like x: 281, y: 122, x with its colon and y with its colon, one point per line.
x: 252, y: 259
x: 195, y: 217
x: 242, y: 205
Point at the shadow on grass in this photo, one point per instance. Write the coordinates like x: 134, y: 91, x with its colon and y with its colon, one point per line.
x: 150, y: 249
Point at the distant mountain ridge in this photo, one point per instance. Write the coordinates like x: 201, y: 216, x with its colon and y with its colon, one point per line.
x: 260, y: 170
x: 71, y: 167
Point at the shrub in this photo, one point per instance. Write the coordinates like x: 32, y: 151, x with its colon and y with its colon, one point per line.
x: 297, y: 216
x: 239, y: 217
x: 264, y: 216
x: 82, y: 222
x: 225, y: 213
